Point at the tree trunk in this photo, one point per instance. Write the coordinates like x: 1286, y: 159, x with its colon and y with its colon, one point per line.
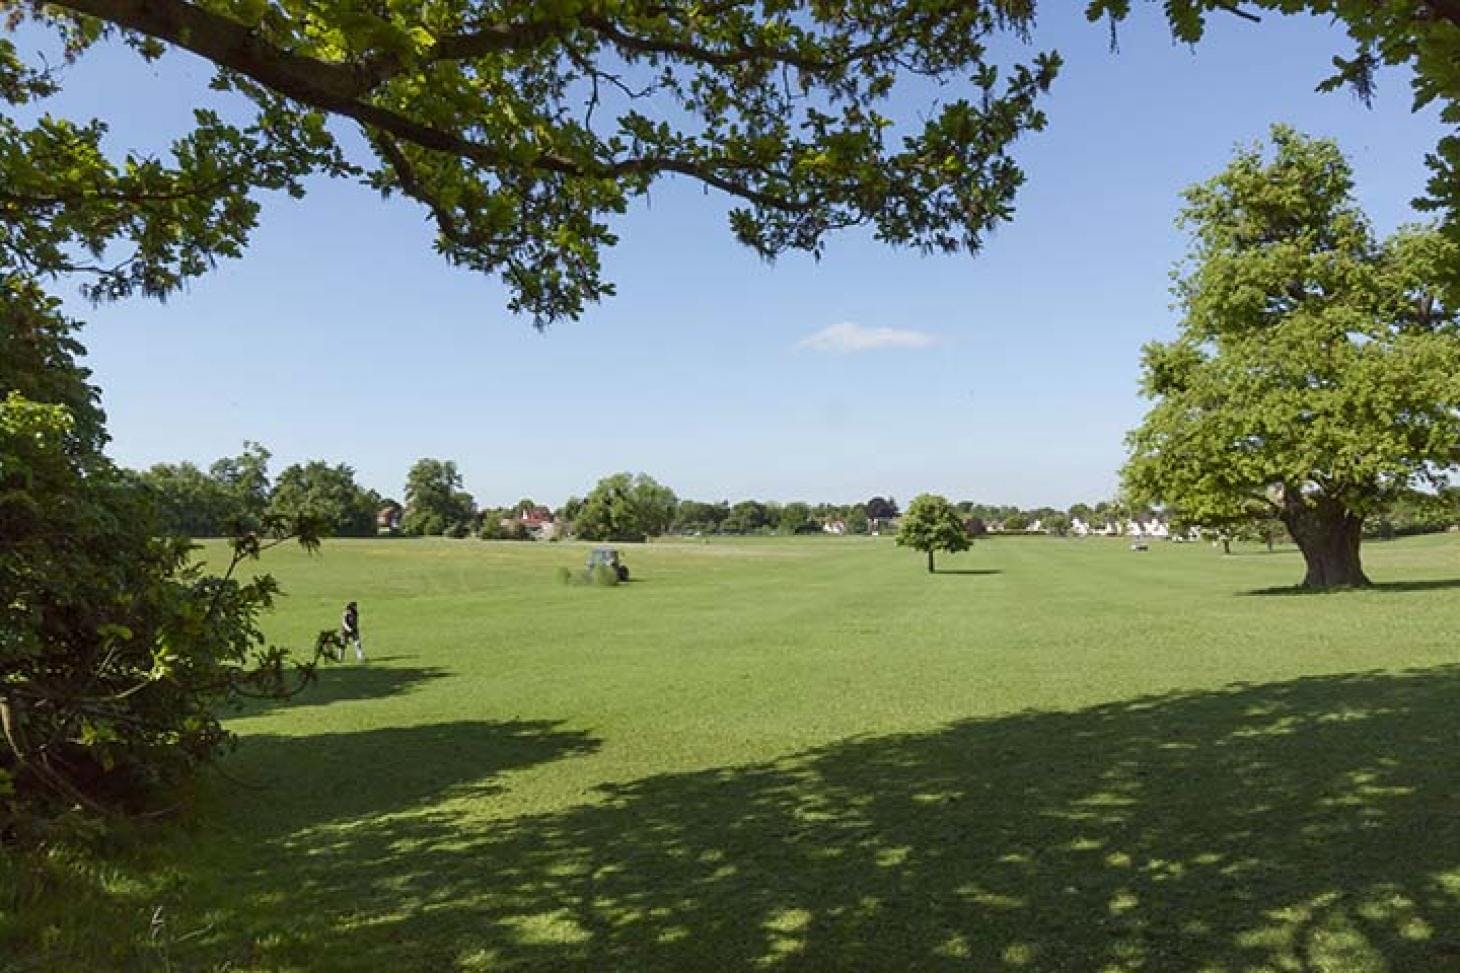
x: 930, y: 562
x: 1329, y: 537
x: 1226, y: 545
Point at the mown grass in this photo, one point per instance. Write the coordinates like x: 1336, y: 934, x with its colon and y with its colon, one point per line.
x: 811, y: 754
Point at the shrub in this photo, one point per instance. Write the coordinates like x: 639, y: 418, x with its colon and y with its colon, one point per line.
x: 565, y: 575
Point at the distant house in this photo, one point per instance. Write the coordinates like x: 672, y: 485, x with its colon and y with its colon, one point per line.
x: 536, y: 521
x: 387, y: 518
x: 834, y: 527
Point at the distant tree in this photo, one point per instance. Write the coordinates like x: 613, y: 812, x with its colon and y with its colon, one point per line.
x: 1082, y: 512
x: 879, y: 508
x: 190, y: 503
x: 1016, y: 522
x: 570, y: 509
x: 246, y: 478
x: 328, y: 495
x: 976, y: 527
x: 1417, y: 512
x: 1313, y: 378
x: 746, y: 517
x: 1056, y: 524
x: 435, y: 502
x: 796, y: 519
x: 932, y: 524
x: 695, y: 516
x: 856, y: 519
x: 626, y: 507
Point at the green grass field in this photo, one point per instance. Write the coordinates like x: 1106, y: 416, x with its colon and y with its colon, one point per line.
x: 811, y: 754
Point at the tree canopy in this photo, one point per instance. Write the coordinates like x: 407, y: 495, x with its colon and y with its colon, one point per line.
x: 117, y: 652
x: 626, y: 507
x: 435, y: 501
x: 932, y: 524
x: 1316, y: 375
x: 524, y: 128
x: 327, y: 495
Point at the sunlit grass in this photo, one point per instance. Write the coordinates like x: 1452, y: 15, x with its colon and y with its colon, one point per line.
x: 809, y: 753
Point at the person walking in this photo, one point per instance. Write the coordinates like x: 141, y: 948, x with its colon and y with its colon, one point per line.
x: 350, y: 631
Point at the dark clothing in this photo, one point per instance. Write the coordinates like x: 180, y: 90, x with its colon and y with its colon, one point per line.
x: 351, y: 621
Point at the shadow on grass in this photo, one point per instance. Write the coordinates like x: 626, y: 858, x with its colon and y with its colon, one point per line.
x: 304, y: 781
x: 968, y: 571
x: 1443, y: 584
x: 338, y: 681
x: 1300, y: 825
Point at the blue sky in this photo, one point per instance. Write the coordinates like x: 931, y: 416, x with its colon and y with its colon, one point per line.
x: 342, y: 336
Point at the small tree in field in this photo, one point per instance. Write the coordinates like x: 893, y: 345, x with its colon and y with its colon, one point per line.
x: 1314, y: 377
x: 931, y: 524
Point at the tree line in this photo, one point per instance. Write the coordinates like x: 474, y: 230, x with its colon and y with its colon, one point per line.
x: 236, y: 492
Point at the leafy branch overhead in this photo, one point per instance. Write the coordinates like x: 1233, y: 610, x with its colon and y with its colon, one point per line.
x: 523, y: 127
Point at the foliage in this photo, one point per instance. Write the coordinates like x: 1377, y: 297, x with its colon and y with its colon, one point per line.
x: 1016, y: 522
x: 1056, y: 524
x: 327, y: 495
x: 693, y: 516
x: 1417, y: 512
x: 522, y: 128
x: 604, y: 576
x: 503, y: 525
x: 116, y: 650
x: 932, y: 524
x: 190, y: 502
x: 245, y: 479
x: 1423, y: 34
x: 880, y: 508
x: 796, y: 519
x: 746, y: 517
x: 626, y: 507
x: 1316, y: 376
x: 435, y: 502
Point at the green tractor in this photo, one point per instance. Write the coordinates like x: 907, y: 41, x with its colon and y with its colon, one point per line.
x: 607, y: 557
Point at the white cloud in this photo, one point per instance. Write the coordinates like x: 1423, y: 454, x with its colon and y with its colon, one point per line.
x: 845, y: 338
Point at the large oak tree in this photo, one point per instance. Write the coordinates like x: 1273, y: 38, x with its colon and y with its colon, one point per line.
x: 1316, y: 375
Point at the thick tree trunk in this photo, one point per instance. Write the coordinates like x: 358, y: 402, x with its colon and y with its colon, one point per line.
x: 1329, y: 538
x: 930, y: 562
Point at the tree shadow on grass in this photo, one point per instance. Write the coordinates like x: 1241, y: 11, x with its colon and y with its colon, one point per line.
x: 305, y: 781
x: 1302, y: 825
x: 339, y: 681
x: 1441, y: 584
x: 967, y: 571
